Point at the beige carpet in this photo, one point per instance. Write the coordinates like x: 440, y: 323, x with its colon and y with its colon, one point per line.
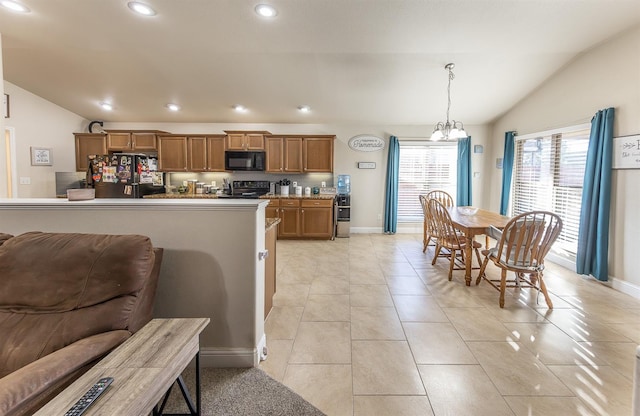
x: 240, y: 391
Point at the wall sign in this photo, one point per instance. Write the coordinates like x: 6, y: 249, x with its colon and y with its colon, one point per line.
x: 366, y: 165
x: 626, y: 152
x: 41, y: 156
x: 366, y: 143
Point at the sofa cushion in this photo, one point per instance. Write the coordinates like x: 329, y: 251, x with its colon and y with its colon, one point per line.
x: 4, y: 237
x: 60, y: 288
x: 46, y: 272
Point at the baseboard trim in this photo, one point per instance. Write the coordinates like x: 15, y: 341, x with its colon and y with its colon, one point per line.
x: 366, y: 230
x: 228, y: 357
x: 624, y: 287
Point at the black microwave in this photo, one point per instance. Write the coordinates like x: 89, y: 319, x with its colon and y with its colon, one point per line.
x: 251, y: 160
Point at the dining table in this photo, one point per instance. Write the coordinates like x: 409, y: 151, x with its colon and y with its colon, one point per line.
x: 471, y: 225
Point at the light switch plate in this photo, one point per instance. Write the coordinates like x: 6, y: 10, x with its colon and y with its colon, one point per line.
x: 366, y: 165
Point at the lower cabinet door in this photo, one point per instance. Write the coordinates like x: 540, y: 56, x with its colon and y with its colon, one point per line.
x: 290, y: 225
x: 316, y: 222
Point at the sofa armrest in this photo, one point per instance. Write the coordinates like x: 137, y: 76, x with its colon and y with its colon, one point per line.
x: 37, y: 382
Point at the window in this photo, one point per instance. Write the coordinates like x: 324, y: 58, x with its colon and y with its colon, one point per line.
x: 424, y: 166
x: 548, y: 175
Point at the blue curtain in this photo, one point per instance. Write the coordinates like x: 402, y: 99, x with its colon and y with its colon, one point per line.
x: 463, y: 193
x: 391, y: 195
x: 593, y: 234
x: 507, y: 171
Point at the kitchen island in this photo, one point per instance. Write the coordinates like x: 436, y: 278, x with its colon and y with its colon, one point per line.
x: 211, y: 266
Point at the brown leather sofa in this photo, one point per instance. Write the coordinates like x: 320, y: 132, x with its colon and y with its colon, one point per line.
x: 66, y: 300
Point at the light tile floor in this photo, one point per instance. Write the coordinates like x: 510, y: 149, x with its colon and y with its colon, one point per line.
x: 366, y: 326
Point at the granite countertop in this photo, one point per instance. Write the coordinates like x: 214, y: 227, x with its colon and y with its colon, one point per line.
x: 270, y: 222
x: 297, y: 197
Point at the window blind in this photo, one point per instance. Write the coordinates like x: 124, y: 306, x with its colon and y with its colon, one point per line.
x: 424, y: 166
x: 548, y: 175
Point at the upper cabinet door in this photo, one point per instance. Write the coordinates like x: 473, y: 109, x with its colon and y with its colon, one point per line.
x: 255, y: 141
x: 273, y: 147
x: 172, y: 153
x: 143, y: 141
x: 197, y: 154
x: 293, y: 154
x: 318, y: 154
x: 215, y: 153
x: 119, y: 141
x: 235, y: 141
x: 89, y: 144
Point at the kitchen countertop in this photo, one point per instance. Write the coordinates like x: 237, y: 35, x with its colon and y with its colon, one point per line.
x: 297, y: 197
x: 271, y: 222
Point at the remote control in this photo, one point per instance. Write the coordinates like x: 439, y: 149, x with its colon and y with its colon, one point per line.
x: 89, y: 397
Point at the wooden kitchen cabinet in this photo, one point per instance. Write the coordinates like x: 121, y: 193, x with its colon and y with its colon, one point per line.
x: 272, y: 210
x: 172, y: 153
x: 132, y: 141
x: 205, y: 153
x: 270, y: 269
x: 316, y: 218
x: 245, y: 140
x: 284, y: 154
x: 302, y: 217
x: 318, y: 154
x: 290, y: 216
x: 88, y: 144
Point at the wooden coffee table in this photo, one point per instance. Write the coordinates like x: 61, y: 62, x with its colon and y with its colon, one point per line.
x: 144, y: 368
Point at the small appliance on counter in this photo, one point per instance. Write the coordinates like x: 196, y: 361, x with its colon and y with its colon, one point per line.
x: 246, y: 190
x: 124, y: 175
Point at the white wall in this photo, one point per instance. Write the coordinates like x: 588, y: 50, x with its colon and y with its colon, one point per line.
x: 39, y: 123
x: 606, y: 76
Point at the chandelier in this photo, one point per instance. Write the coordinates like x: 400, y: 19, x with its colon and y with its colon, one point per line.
x: 450, y: 130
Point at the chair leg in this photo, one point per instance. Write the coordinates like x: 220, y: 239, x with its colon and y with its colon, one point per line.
x: 479, y: 258
x: 543, y: 289
x: 453, y: 259
x: 436, y: 253
x: 503, y: 287
x: 483, y: 267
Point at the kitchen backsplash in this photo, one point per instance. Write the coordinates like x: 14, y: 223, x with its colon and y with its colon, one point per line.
x: 307, y: 179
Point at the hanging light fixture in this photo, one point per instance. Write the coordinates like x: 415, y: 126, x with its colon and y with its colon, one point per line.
x: 450, y: 130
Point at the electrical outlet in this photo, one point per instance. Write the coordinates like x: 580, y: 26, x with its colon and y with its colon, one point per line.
x: 379, y: 217
x: 25, y: 180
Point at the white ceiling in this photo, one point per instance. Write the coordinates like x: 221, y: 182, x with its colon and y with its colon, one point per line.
x: 352, y: 61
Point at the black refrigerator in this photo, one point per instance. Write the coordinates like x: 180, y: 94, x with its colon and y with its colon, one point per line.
x: 124, y: 175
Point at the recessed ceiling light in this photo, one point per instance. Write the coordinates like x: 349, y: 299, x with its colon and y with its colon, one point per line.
x: 106, y: 106
x: 15, y: 6
x: 240, y: 108
x: 141, y: 8
x: 266, y: 10
x: 173, y: 107
x: 304, y: 109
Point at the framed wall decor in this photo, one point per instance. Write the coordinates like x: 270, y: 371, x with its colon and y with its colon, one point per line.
x: 626, y: 152
x: 5, y: 105
x: 41, y: 156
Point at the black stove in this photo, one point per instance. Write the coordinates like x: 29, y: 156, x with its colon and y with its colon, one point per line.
x: 246, y: 190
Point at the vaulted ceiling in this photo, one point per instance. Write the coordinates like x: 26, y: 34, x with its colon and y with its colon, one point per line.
x: 351, y: 61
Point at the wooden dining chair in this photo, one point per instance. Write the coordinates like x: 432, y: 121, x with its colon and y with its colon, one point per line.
x: 447, y: 237
x: 441, y: 196
x: 428, y: 236
x: 522, y: 246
